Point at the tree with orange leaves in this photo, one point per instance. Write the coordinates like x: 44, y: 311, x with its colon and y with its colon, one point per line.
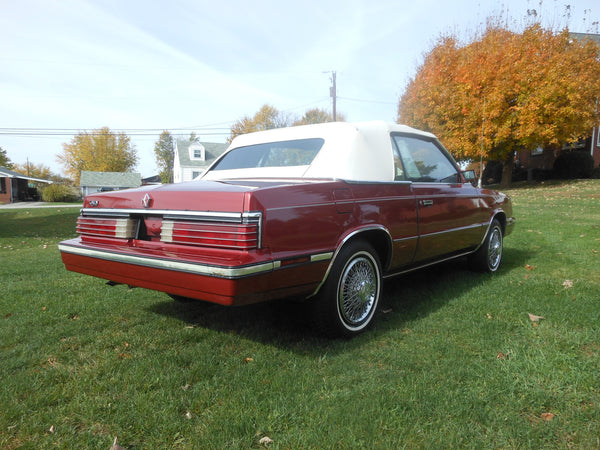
x: 506, y: 91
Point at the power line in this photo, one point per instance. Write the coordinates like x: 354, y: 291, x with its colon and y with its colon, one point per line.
x: 58, y: 132
x: 212, y: 129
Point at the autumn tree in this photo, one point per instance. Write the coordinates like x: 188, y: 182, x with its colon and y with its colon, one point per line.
x: 35, y: 170
x: 100, y: 150
x: 506, y: 91
x: 164, y: 154
x: 267, y: 118
x: 315, y: 115
x: 4, y: 161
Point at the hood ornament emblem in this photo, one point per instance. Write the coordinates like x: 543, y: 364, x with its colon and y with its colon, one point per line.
x: 147, y: 201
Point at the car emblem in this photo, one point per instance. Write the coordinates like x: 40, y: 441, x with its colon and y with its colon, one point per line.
x: 94, y: 203
x: 147, y: 201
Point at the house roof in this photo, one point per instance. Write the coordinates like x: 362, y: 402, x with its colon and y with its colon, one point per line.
x: 212, y: 151
x: 110, y: 179
x: 155, y: 179
x: 582, y: 36
x: 4, y: 172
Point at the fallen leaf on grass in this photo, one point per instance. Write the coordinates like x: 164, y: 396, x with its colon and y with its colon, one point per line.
x: 52, y: 361
x: 528, y: 267
x: 547, y: 417
x: 248, y: 360
x: 188, y: 415
x: 52, y: 429
x: 8, y: 315
x: 489, y: 316
x: 265, y: 441
x: 535, y: 318
x: 502, y: 356
x: 567, y: 284
x: 116, y: 445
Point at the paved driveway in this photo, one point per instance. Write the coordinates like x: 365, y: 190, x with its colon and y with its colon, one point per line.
x: 39, y: 205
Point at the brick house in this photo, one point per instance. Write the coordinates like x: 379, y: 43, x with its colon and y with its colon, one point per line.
x: 16, y: 187
x: 543, y: 158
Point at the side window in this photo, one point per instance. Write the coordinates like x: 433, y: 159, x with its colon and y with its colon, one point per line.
x: 399, y: 172
x: 423, y: 161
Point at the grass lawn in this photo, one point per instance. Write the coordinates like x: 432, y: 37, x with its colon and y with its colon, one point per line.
x: 454, y: 360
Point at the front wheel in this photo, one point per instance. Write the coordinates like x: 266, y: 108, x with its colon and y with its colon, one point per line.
x: 346, y: 304
x: 489, y: 256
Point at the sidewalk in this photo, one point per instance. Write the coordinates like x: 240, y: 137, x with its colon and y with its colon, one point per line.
x: 23, y: 205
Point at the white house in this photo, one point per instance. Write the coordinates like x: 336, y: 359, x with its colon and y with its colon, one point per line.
x: 192, y: 158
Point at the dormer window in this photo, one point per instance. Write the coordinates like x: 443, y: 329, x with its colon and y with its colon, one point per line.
x: 197, y: 152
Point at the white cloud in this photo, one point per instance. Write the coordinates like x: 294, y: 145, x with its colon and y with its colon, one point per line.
x: 81, y: 64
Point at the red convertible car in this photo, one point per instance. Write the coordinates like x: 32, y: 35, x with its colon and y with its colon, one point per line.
x: 321, y: 212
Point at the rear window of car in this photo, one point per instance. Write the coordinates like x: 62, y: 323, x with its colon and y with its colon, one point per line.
x: 300, y: 152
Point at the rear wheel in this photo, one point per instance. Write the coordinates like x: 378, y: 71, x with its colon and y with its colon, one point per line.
x: 348, y: 300
x: 489, y: 256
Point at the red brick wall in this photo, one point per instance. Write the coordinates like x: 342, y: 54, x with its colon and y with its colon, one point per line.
x: 5, y: 196
x: 546, y: 159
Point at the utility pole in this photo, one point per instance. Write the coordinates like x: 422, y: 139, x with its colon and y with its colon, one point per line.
x: 333, y: 94
x: 480, y: 182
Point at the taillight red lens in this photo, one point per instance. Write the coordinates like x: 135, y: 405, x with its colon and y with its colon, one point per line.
x: 235, y: 236
x: 109, y: 227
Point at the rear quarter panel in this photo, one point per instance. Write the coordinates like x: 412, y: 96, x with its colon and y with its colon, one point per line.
x: 317, y: 217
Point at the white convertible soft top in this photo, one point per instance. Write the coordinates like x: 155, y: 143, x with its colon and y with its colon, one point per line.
x: 359, y: 151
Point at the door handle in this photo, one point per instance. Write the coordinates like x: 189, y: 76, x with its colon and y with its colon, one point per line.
x: 426, y: 202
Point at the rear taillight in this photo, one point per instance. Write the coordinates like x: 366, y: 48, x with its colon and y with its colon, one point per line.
x: 210, y: 234
x: 124, y: 228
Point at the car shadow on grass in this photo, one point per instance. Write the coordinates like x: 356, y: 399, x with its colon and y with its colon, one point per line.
x: 288, y: 324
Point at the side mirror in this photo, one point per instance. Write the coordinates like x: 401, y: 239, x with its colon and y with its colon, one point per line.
x: 470, y: 176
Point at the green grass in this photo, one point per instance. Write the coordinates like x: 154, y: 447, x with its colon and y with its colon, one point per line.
x: 453, y: 361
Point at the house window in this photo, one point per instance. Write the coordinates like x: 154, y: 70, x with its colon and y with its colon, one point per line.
x: 538, y: 151
x: 196, y: 174
x: 197, y: 152
x: 577, y: 145
x: 2, y: 185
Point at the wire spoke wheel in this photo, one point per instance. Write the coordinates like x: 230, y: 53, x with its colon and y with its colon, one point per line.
x: 358, y: 291
x: 489, y: 256
x: 494, y: 249
x: 347, y: 303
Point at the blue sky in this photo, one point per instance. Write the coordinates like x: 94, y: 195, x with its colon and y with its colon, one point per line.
x: 184, y: 65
